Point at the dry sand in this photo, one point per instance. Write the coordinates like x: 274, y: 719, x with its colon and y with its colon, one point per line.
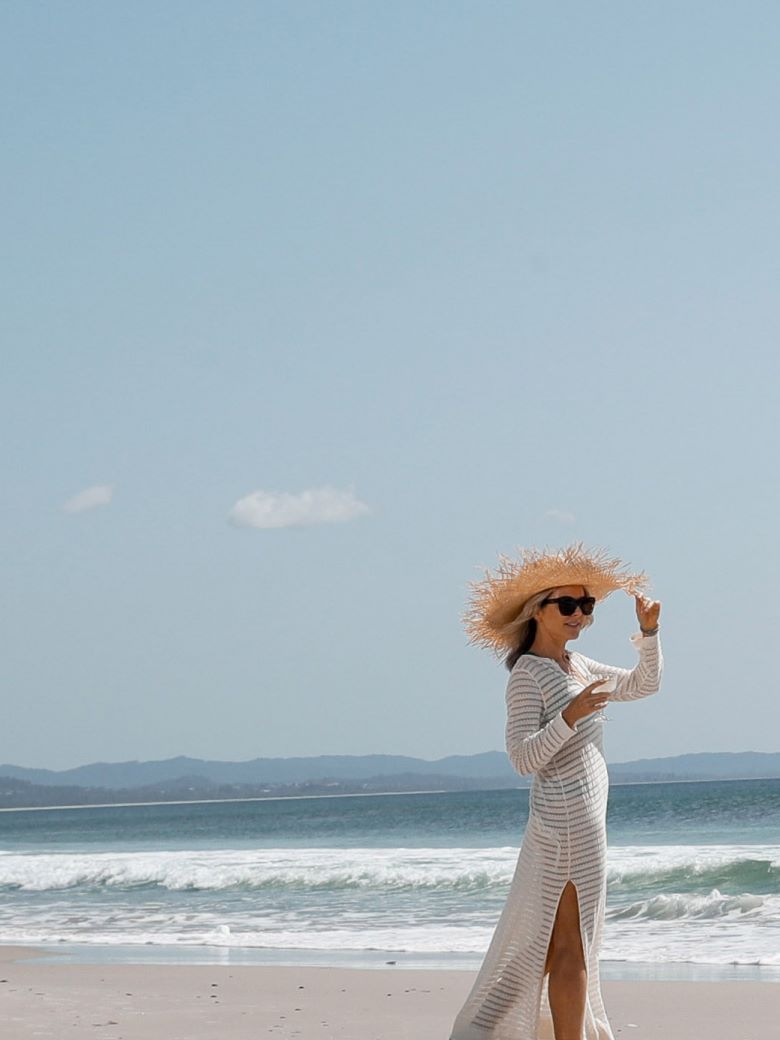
x: 46, y: 999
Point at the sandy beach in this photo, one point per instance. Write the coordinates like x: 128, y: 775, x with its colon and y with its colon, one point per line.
x: 46, y: 999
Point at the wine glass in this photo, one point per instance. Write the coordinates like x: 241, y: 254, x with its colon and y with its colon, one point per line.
x: 609, y: 685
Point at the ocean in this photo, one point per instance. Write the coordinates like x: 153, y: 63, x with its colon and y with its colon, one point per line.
x: 414, y: 879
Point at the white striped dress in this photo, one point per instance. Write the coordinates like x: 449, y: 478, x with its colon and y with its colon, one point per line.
x: 565, y: 840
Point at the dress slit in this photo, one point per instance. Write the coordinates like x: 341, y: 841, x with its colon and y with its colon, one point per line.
x: 583, y: 943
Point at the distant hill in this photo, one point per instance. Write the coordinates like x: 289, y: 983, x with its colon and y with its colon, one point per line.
x: 706, y: 765
x: 191, y: 778
x: 17, y: 794
x: 263, y: 770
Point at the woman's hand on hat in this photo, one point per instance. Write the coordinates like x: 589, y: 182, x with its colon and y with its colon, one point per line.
x: 647, y: 611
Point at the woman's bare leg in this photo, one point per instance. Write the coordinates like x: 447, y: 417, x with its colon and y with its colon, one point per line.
x: 567, y: 988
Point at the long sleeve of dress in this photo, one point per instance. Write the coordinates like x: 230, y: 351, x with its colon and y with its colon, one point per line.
x: 640, y: 681
x: 529, y: 744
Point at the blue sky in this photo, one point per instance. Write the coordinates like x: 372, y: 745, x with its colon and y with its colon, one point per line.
x: 469, y: 276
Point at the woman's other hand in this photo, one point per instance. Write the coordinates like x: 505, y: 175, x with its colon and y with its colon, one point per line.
x: 591, y: 699
x: 647, y: 611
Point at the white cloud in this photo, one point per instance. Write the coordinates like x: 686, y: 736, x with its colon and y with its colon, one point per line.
x: 90, y: 498
x: 266, y: 509
x: 561, y: 516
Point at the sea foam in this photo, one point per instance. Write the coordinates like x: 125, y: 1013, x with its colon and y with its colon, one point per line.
x: 631, y: 870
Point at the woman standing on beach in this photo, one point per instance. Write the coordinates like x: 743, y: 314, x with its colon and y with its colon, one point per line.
x: 540, y: 976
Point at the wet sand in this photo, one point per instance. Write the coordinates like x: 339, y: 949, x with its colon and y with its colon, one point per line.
x: 46, y: 999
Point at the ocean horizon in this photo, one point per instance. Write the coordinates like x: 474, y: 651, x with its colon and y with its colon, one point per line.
x: 350, y: 794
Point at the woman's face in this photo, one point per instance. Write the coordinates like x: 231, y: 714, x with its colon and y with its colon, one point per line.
x: 550, y: 620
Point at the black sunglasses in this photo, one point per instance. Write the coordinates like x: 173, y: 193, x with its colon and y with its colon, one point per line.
x: 568, y: 604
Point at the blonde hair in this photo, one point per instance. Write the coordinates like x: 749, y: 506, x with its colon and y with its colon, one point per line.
x: 525, y: 626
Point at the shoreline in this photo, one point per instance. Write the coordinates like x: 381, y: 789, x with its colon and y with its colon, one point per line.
x: 42, y: 998
x: 181, y: 955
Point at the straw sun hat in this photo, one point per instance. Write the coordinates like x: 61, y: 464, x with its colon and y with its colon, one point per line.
x: 492, y: 617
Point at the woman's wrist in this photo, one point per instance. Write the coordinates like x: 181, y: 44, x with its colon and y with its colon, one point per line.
x: 649, y: 631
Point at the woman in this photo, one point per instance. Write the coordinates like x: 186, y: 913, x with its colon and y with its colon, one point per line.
x: 540, y: 976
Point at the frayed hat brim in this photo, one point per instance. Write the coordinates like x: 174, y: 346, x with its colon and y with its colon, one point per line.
x: 497, y: 599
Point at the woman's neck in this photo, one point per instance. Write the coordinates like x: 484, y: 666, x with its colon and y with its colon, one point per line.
x: 544, y: 646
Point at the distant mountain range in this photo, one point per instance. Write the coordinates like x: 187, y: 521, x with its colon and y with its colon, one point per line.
x: 194, y: 778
